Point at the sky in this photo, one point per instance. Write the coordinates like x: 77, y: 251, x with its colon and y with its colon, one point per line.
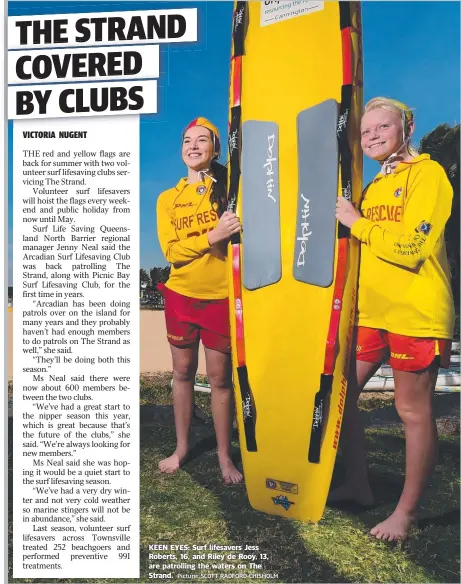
x: 411, y: 51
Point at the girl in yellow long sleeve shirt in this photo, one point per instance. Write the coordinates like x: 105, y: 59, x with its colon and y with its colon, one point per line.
x: 405, y: 306
x: 193, y: 229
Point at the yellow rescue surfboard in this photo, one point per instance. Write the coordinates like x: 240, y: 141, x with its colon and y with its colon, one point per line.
x: 295, y: 105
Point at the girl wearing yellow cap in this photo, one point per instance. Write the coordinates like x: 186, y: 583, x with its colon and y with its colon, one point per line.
x: 405, y: 304
x: 194, y: 229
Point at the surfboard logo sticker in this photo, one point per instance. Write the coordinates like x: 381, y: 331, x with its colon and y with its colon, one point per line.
x: 269, y: 167
x: 342, y: 123
x: 233, y: 141
x: 246, y: 408
x: 282, y: 486
x: 347, y: 191
x: 283, y: 501
x: 318, y: 416
x: 273, y: 12
x: 305, y: 231
x: 238, y: 18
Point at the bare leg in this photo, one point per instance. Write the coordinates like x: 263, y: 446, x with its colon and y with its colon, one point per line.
x: 185, y: 362
x: 413, y: 400
x: 356, y: 487
x: 219, y: 371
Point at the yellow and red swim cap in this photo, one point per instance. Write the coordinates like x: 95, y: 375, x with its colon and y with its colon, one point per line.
x: 201, y: 121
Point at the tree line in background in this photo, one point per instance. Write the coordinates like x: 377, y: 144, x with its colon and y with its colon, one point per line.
x: 150, y: 296
x: 154, y: 277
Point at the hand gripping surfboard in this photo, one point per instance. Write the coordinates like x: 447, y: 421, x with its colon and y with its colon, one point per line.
x: 294, y: 147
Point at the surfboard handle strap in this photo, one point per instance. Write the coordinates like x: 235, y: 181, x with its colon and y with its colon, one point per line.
x: 326, y: 379
x: 248, y: 404
x: 326, y: 384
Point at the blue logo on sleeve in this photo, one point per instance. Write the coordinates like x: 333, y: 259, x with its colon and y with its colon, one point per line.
x: 424, y: 227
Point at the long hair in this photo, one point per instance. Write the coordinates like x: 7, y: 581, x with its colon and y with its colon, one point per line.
x: 218, y: 193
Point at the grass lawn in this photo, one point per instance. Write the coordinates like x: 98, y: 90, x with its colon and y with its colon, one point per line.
x: 194, y: 507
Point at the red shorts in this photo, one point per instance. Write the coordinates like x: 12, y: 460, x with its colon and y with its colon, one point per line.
x: 401, y: 352
x: 189, y: 320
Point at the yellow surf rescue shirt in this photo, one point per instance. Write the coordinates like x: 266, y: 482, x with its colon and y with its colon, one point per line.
x: 184, y: 218
x: 404, y: 283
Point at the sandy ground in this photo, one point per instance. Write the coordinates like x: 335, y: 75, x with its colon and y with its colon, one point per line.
x: 155, y: 349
